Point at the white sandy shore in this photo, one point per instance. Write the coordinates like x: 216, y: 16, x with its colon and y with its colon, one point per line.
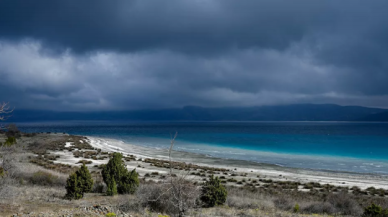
x: 253, y: 170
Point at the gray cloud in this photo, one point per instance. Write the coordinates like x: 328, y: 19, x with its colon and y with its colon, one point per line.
x: 150, y: 54
x: 188, y: 25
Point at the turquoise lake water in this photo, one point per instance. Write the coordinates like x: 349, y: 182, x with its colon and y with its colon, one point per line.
x: 338, y: 146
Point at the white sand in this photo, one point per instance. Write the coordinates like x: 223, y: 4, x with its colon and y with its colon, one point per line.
x: 68, y: 144
x: 253, y: 170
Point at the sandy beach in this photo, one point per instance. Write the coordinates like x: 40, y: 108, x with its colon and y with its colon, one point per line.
x: 238, y: 169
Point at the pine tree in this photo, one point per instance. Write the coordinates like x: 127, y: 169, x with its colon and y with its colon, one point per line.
x: 128, y: 183
x: 79, y: 183
x: 111, y: 187
x: 213, y: 192
x: 85, y: 181
x: 116, y: 171
x: 72, y: 189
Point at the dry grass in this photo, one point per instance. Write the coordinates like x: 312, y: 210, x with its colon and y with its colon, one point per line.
x: 232, y: 212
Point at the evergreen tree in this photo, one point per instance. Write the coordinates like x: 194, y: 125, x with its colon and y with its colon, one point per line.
x: 213, y: 193
x: 72, y: 189
x: 128, y: 183
x: 111, y: 187
x: 79, y: 183
x: 85, y: 181
x: 116, y: 171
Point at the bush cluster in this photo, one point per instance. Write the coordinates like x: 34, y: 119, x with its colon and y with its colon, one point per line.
x: 10, y: 141
x: 117, y: 178
x: 43, y: 178
x: 296, y: 208
x: 79, y: 183
x: 375, y: 211
x: 213, y: 193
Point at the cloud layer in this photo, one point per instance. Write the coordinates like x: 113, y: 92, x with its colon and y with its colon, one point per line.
x: 108, y: 55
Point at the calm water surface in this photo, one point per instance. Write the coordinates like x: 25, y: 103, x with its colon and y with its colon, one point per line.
x: 353, y: 147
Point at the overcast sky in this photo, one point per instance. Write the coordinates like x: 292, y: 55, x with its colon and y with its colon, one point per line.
x: 123, y: 54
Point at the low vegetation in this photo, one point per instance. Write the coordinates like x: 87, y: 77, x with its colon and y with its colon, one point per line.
x: 375, y: 211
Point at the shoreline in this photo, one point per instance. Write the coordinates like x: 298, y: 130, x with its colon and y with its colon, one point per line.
x: 237, y: 161
x: 250, y: 170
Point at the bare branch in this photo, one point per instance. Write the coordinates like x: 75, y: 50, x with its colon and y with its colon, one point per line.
x: 4, y: 110
x: 170, y: 151
x: 177, y: 193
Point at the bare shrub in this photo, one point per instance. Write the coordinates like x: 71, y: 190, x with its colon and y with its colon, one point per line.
x: 284, y: 203
x: 36, y: 175
x: 159, y: 197
x: 242, y: 198
x: 174, y: 196
x: 344, y: 204
x: 44, y: 178
x: 7, y: 160
x: 318, y: 207
x: 155, y: 197
x: 130, y: 203
x: 338, y: 204
x: 5, y: 111
x: 99, y: 187
x: 13, y: 131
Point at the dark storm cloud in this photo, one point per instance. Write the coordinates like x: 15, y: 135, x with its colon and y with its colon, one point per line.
x: 195, y: 25
x: 72, y: 55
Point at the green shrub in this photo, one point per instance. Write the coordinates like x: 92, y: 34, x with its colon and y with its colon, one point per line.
x: 10, y: 141
x: 128, y: 183
x: 116, y: 171
x: 79, y: 183
x: 213, y: 193
x: 73, y: 191
x: 2, y: 173
x: 296, y: 208
x: 85, y: 181
x: 111, y: 214
x: 375, y: 211
x: 111, y: 188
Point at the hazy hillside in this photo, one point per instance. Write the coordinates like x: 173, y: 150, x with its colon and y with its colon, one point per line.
x: 298, y: 112
x: 382, y: 116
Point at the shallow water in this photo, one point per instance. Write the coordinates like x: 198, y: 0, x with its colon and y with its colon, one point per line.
x: 338, y: 146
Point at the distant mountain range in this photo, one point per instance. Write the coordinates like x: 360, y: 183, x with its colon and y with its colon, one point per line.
x: 297, y: 112
x: 379, y: 117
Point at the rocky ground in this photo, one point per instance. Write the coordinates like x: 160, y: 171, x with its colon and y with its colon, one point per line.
x: 96, y: 210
